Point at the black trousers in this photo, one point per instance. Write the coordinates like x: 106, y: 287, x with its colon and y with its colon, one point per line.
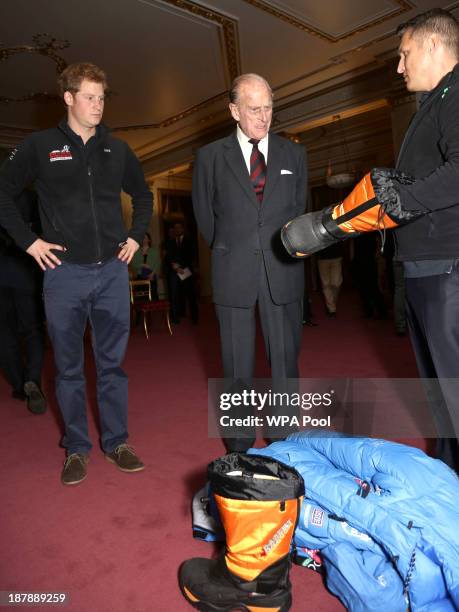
x: 282, y: 328
x: 366, y: 275
x: 182, y: 292
x: 433, y: 320
x: 22, y: 334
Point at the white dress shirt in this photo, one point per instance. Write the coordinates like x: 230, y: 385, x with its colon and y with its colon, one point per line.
x: 247, y: 147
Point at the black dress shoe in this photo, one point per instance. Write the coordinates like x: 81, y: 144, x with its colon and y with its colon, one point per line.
x: 238, y: 445
x: 310, y: 323
x: 36, y: 402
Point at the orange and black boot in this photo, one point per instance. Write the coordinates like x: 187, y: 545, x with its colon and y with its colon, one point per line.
x: 374, y: 204
x: 258, y: 499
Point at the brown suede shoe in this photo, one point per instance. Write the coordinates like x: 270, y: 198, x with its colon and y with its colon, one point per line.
x: 74, y: 469
x: 125, y: 459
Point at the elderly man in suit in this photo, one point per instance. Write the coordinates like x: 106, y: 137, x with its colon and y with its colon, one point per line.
x: 245, y: 187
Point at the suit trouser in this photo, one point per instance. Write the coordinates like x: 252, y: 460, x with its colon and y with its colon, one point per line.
x: 433, y: 321
x: 21, y: 319
x: 99, y: 293
x: 281, y: 327
x: 366, y: 276
x: 180, y: 292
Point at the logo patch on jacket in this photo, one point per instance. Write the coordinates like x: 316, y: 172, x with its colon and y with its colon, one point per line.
x: 60, y: 155
x: 317, y: 517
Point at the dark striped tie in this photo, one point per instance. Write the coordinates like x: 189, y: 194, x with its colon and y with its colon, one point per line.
x: 257, y: 170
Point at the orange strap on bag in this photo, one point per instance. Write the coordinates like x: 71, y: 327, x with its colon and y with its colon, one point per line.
x: 375, y: 203
x: 361, y: 211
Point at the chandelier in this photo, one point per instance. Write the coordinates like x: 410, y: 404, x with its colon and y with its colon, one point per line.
x: 340, y: 180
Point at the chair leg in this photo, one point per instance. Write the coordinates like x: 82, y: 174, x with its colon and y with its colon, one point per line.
x: 168, y: 320
x: 145, y: 326
x: 133, y: 320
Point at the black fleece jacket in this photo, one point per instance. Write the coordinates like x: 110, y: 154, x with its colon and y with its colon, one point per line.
x: 430, y: 153
x: 78, y: 189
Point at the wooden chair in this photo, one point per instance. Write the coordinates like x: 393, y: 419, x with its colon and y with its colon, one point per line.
x: 141, y: 302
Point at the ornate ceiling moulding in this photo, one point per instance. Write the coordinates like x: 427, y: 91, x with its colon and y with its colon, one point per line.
x: 373, y: 84
x: 171, y: 120
x: 354, y: 111
x: 231, y: 46
x: 222, y: 96
x: 180, y: 169
x: 264, y: 5
x: 227, y: 24
x: 45, y: 45
x: 12, y: 136
x: 341, y: 58
x: 303, y: 77
x: 334, y: 61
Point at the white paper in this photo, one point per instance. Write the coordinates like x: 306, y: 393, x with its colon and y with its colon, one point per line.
x: 185, y: 274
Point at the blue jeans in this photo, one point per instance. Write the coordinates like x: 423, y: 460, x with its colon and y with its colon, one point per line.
x: 73, y: 295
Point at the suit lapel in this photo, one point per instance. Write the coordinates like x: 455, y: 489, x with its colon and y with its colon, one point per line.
x: 275, y: 150
x: 235, y: 161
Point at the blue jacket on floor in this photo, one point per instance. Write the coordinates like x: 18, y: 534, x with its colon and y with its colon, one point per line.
x: 385, y: 517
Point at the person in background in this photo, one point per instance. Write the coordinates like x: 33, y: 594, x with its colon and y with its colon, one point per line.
x: 395, y: 279
x: 330, y: 266
x: 365, y: 269
x: 21, y: 313
x: 308, y: 315
x: 146, y: 265
x: 179, y: 260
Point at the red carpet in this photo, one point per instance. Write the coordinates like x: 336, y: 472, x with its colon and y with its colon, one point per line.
x: 115, y: 542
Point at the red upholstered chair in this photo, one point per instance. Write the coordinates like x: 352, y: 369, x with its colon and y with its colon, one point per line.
x: 141, y: 302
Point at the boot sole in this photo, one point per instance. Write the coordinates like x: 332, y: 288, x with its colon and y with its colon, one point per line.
x: 205, y: 606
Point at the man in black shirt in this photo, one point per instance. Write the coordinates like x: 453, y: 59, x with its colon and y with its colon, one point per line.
x: 429, y: 247
x: 79, y: 170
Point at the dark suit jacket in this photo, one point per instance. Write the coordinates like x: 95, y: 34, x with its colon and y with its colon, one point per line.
x: 18, y: 269
x: 239, y: 230
x: 182, y: 255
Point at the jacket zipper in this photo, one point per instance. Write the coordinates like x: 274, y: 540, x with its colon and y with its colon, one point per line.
x: 93, y: 208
